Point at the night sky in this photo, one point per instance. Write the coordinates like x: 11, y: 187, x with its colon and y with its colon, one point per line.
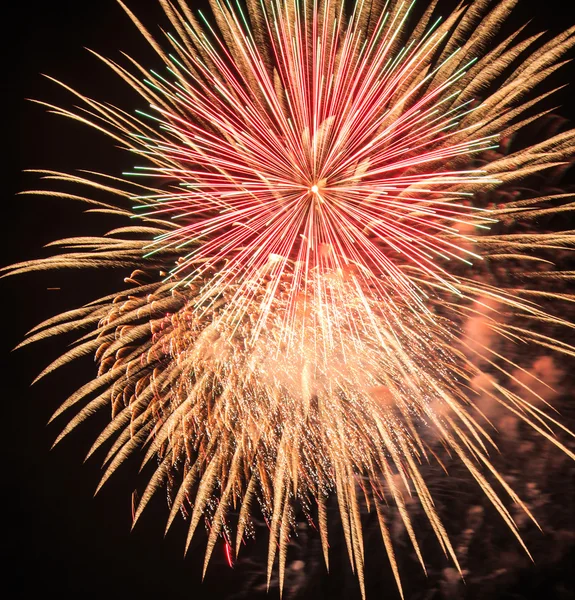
x: 61, y: 541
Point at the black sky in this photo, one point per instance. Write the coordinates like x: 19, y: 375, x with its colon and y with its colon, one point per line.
x: 61, y: 542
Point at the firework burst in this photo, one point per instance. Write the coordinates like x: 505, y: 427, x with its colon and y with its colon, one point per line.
x: 307, y: 206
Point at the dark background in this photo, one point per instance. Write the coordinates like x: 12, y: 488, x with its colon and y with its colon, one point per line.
x: 58, y: 540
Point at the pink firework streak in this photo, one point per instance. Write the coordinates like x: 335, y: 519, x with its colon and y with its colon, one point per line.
x: 315, y: 163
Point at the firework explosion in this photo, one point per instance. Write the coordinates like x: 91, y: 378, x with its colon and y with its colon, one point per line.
x: 307, y: 205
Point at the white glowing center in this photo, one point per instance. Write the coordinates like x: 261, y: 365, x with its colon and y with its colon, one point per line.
x: 314, y: 189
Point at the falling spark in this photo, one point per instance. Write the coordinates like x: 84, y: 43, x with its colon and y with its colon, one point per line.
x: 229, y: 556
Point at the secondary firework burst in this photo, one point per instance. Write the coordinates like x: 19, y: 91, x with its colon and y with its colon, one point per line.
x: 304, y: 212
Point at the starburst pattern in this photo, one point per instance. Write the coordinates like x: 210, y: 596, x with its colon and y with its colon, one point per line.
x: 296, y: 321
